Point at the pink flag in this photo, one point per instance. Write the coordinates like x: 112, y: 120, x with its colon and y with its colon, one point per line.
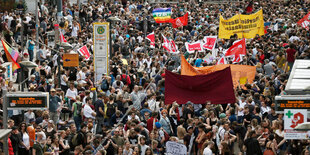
x: 222, y: 60
x: 151, y: 38
x: 209, y: 42
x: 237, y: 50
x: 84, y: 52
x: 192, y: 47
x: 62, y: 38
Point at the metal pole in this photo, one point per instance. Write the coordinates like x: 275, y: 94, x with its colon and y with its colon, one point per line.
x: 5, y: 120
x: 58, y: 63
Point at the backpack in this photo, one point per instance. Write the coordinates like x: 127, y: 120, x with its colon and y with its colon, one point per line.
x: 110, y: 110
x: 132, y: 84
x: 167, y: 137
x: 75, y: 139
x: 104, y: 85
x: 79, y: 108
x: 124, y: 80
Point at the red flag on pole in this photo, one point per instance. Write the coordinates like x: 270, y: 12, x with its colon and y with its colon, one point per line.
x: 249, y: 8
x: 236, y: 51
x: 62, y: 38
x: 191, y: 47
x: 84, y: 52
x: 209, y: 42
x: 200, y: 88
x: 179, y: 22
x: 305, y: 21
x: 222, y: 60
x: 151, y: 38
x: 169, y: 45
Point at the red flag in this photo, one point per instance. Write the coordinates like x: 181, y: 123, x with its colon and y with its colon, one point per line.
x: 151, y: 38
x: 191, y: 47
x: 84, y: 52
x: 222, y: 60
x: 169, y: 45
x: 249, y: 8
x: 165, y: 44
x: 200, y: 88
x: 62, y: 38
x: 173, y: 47
x: 179, y: 22
x: 305, y: 21
x: 209, y: 42
x: 236, y: 51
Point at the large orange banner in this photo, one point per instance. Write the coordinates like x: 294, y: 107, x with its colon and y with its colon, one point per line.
x: 238, y: 72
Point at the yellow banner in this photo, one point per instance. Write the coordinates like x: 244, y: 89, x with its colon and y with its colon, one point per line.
x: 245, y: 26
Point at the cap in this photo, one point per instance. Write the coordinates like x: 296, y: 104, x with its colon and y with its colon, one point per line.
x: 31, y: 120
x: 163, y: 75
x: 189, y: 103
x: 158, y: 125
x: 190, y: 127
x: 51, y: 121
x: 26, y: 54
x: 53, y: 90
x: 14, y: 128
x: 32, y: 76
x: 222, y: 115
x: 58, y: 89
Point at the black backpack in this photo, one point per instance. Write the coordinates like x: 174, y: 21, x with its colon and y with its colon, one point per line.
x: 110, y: 110
x: 104, y: 85
x: 124, y: 80
x: 79, y: 108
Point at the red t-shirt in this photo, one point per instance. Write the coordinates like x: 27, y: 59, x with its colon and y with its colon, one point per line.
x: 149, y: 124
x: 290, y: 55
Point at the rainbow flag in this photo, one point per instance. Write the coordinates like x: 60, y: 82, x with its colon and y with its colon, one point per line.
x: 11, y: 55
x: 162, y: 15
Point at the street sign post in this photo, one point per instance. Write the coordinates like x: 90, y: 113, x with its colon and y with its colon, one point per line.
x: 70, y: 60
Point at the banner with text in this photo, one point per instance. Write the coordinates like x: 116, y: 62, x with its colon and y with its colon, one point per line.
x: 245, y: 26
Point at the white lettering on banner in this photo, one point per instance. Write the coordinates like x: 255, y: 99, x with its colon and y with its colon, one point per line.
x: 173, y: 148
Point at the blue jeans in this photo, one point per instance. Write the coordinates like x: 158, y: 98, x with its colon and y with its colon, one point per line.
x: 77, y: 121
x: 30, y: 52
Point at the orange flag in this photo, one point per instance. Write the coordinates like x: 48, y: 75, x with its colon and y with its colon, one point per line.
x: 237, y: 71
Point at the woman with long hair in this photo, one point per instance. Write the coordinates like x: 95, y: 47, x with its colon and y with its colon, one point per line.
x: 224, y: 149
x: 24, y: 147
x: 64, y: 148
x: 55, y: 146
x: 165, y: 122
x: 201, y: 138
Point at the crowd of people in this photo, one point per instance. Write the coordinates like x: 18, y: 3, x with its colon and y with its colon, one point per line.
x: 124, y: 113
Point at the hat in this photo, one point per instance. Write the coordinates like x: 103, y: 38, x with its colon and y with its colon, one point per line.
x: 14, y: 128
x: 163, y: 75
x: 158, y: 125
x: 190, y: 127
x: 58, y: 89
x: 189, y: 103
x: 31, y: 120
x: 25, y: 54
x: 222, y: 115
x: 51, y: 121
x: 32, y: 76
x: 53, y: 90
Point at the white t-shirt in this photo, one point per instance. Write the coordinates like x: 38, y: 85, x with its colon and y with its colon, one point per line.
x: 88, y: 111
x: 241, y: 105
x: 26, y: 139
x: 207, y: 151
x: 143, y: 149
x: 72, y: 93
